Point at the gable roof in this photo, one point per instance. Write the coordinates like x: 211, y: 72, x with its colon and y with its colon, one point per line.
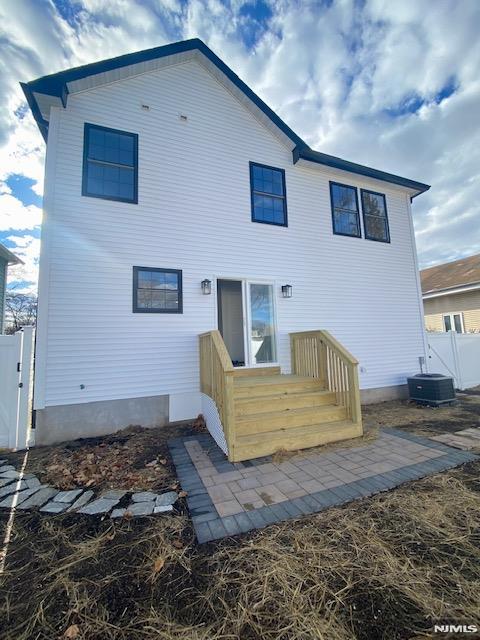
x: 53, y: 90
x: 7, y: 255
x: 451, y: 275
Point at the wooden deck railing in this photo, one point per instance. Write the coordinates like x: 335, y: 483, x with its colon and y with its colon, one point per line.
x: 216, y: 379
x: 318, y: 354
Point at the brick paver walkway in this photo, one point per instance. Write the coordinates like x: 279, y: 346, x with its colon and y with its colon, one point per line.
x: 230, y: 498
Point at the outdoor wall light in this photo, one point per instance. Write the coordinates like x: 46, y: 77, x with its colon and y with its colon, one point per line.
x: 287, y: 290
x: 206, y: 287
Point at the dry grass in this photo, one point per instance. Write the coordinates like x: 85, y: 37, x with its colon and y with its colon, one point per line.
x: 386, y: 567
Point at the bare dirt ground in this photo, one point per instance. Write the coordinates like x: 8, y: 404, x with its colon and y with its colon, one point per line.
x: 387, y: 567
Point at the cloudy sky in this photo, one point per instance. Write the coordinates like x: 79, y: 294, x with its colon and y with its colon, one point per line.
x: 390, y: 84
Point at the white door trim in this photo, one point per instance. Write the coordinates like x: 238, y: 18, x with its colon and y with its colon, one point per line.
x: 249, y: 364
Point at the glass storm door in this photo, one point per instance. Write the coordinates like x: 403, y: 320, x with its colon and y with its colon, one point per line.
x: 261, y: 332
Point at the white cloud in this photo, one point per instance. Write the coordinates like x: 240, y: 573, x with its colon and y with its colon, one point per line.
x: 15, y: 215
x: 27, y: 248
x: 337, y: 73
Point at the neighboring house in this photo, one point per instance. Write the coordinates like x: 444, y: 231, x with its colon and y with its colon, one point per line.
x: 169, y: 183
x: 451, y: 296
x: 6, y: 258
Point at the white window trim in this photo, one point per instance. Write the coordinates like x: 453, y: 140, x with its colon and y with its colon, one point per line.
x: 452, y: 322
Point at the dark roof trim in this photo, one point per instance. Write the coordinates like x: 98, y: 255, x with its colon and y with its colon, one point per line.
x: 56, y: 85
x: 32, y: 103
x: 352, y: 167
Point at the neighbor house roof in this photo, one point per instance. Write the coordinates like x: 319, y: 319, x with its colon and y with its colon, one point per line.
x: 7, y: 255
x: 463, y: 274
x: 53, y: 90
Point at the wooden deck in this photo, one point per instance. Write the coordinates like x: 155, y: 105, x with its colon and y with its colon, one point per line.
x: 263, y: 410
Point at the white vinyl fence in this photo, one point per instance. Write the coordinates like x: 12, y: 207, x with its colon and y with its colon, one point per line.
x: 16, y: 363
x: 455, y: 354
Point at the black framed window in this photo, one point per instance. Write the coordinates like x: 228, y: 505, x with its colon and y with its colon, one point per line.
x: 268, y: 192
x: 157, y: 290
x: 110, y: 164
x: 345, y: 211
x: 375, y: 218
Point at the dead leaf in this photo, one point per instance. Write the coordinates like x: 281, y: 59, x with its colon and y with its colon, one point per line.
x: 72, y: 631
x: 159, y: 564
x: 182, y: 494
x: 111, y: 535
x: 163, y: 461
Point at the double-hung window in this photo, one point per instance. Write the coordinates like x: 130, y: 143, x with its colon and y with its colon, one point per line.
x: 345, y: 212
x: 268, y: 193
x: 453, y: 322
x: 375, y: 219
x: 157, y: 290
x: 110, y: 164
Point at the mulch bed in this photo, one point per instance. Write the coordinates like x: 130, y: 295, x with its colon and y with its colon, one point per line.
x: 133, y: 459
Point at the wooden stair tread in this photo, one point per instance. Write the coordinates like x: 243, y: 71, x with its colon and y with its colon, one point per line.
x: 275, y: 396
x: 294, y: 432
x: 255, y: 372
x: 283, y: 378
x: 282, y: 413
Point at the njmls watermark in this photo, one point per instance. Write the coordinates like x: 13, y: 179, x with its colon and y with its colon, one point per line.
x: 456, y: 628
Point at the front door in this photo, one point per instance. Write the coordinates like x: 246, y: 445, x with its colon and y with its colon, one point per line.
x: 246, y: 320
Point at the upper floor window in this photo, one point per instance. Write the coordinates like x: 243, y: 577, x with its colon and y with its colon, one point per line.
x: 269, y: 201
x: 110, y: 164
x: 345, y: 213
x: 157, y: 290
x: 375, y: 219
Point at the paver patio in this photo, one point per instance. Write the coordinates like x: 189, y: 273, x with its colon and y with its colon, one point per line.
x: 231, y: 498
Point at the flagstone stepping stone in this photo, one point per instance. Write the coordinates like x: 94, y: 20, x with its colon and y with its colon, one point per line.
x: 39, y: 498
x: 17, y: 498
x: 144, y: 496
x: 163, y: 508
x: 113, y: 494
x: 12, y: 487
x: 140, y: 508
x: 6, y: 467
x: 166, y: 499
x: 5, y: 481
x: 67, y: 496
x: 11, y: 473
x: 54, y: 507
x: 118, y: 513
x: 32, y: 482
x: 82, y: 500
x: 101, y: 505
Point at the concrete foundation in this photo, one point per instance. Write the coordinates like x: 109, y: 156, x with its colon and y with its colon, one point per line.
x: 383, y: 394
x: 72, y: 421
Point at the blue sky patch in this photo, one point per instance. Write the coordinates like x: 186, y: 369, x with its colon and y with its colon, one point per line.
x: 21, y: 187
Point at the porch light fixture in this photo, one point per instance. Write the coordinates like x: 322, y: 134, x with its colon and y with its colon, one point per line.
x: 287, y: 290
x: 206, y: 287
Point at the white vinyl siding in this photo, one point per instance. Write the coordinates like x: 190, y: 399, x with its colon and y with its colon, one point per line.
x: 194, y: 214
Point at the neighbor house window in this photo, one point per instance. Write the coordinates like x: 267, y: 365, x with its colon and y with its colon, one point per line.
x: 110, y: 164
x: 157, y: 290
x: 375, y: 219
x: 453, y: 322
x: 345, y: 213
x: 269, y: 201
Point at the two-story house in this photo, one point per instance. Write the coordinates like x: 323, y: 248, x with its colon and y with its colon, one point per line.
x: 177, y: 203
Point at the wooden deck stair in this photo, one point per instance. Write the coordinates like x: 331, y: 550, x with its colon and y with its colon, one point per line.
x: 286, y: 411
x: 263, y: 410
